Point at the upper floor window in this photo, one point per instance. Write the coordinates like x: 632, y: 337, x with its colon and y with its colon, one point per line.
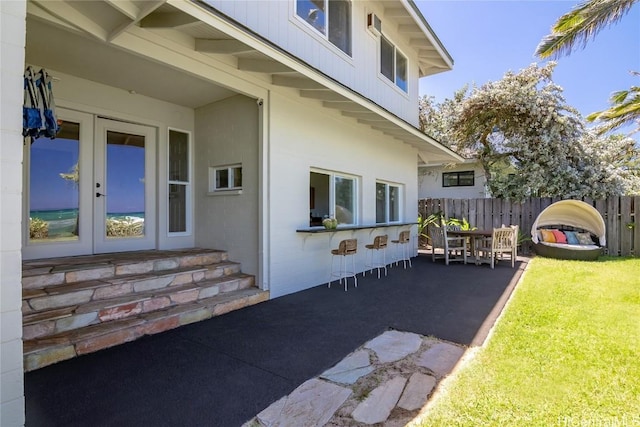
x: 458, y: 179
x: 393, y: 64
x: 387, y: 202
x: 331, y: 18
x: 333, y: 194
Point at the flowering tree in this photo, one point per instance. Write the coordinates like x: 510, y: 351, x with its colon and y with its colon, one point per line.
x: 530, y: 142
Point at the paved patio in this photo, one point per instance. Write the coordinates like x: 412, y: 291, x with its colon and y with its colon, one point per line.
x: 225, y: 371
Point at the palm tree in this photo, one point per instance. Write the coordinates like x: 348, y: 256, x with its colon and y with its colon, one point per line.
x: 581, y: 25
x: 625, y: 108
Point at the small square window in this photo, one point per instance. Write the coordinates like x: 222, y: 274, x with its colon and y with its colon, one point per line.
x: 225, y: 178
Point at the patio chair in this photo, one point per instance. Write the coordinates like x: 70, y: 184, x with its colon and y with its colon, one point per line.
x: 454, y: 248
x: 504, y: 240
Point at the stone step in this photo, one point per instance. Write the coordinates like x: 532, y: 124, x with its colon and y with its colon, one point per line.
x: 47, y: 322
x: 58, y: 296
x: 43, y: 273
x: 41, y: 352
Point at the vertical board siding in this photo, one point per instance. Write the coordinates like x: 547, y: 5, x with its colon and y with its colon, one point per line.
x: 619, y: 214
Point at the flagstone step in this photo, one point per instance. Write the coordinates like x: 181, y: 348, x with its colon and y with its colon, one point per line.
x: 58, y: 296
x: 40, y: 324
x: 77, y: 305
x: 40, y: 352
x: 59, y: 271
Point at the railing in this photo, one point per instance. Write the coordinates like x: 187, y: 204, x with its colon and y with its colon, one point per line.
x: 621, y: 215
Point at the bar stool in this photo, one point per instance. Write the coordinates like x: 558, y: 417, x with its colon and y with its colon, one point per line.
x: 347, y: 247
x: 401, y: 244
x: 379, y: 245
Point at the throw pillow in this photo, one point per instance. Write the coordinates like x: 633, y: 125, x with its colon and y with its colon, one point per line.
x: 585, y: 239
x: 572, y: 238
x: 547, y: 236
x: 559, y: 235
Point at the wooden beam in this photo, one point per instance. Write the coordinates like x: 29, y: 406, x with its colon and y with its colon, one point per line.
x: 364, y: 115
x: 395, y: 12
x: 127, y: 8
x: 262, y: 66
x: 65, y: 12
x: 223, y: 46
x: 295, y: 82
x: 168, y: 20
x: 325, y: 95
x: 409, y: 28
x: 344, y: 106
x: 130, y: 9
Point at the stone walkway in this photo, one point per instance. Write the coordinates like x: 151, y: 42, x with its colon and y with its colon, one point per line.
x: 386, y: 382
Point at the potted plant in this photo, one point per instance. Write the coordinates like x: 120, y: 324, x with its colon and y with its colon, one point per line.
x: 330, y: 223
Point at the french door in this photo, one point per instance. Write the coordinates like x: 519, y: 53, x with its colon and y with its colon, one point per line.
x: 90, y: 190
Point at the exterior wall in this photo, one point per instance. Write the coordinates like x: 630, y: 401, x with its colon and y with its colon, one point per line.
x: 94, y: 98
x: 227, y: 133
x: 430, y: 182
x: 305, y: 136
x: 360, y: 72
x: 12, y: 40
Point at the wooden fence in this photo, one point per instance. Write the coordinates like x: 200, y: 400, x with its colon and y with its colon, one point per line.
x: 621, y: 216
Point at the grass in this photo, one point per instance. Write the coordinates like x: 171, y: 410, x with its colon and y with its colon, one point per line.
x: 566, y: 352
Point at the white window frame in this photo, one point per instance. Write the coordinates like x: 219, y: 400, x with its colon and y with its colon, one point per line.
x: 396, y: 52
x: 332, y: 193
x: 186, y: 184
x: 213, y: 173
x: 458, y: 175
x: 400, y: 201
x: 327, y: 25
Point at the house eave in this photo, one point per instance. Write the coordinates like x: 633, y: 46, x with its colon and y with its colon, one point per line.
x: 332, y: 94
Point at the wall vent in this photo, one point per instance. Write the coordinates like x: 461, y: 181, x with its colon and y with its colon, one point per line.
x: 374, y: 24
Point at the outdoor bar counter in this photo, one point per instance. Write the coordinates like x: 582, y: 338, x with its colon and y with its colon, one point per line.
x: 321, y: 229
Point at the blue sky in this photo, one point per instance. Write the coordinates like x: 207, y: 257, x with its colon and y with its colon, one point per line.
x: 488, y: 38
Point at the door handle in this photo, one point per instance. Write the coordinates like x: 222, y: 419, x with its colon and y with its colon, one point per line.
x: 99, y: 194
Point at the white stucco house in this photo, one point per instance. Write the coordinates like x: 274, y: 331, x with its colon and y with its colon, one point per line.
x: 234, y: 125
x: 464, y: 180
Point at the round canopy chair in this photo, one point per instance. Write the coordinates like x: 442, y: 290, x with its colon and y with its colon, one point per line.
x: 575, y: 214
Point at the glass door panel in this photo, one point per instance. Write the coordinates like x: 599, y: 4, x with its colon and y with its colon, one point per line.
x: 57, y: 199
x: 124, y: 187
x: 54, y: 202
x: 125, y: 181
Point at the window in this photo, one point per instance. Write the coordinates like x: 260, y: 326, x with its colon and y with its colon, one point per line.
x: 393, y: 65
x: 332, y: 195
x: 331, y: 18
x: 387, y: 202
x: 224, y: 178
x: 179, y: 181
x: 458, y: 179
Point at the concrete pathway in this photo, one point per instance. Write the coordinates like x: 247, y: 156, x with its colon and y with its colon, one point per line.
x: 387, y: 381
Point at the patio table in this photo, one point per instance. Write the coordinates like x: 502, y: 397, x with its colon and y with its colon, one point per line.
x: 473, y: 235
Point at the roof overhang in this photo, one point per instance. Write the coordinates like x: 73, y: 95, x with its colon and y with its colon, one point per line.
x: 206, y: 41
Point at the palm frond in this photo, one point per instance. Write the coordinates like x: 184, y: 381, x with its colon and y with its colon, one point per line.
x: 581, y: 25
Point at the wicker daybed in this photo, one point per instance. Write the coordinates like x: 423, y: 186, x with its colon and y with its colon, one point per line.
x: 573, y: 219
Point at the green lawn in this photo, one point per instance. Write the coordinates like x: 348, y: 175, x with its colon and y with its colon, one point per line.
x: 566, y: 352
